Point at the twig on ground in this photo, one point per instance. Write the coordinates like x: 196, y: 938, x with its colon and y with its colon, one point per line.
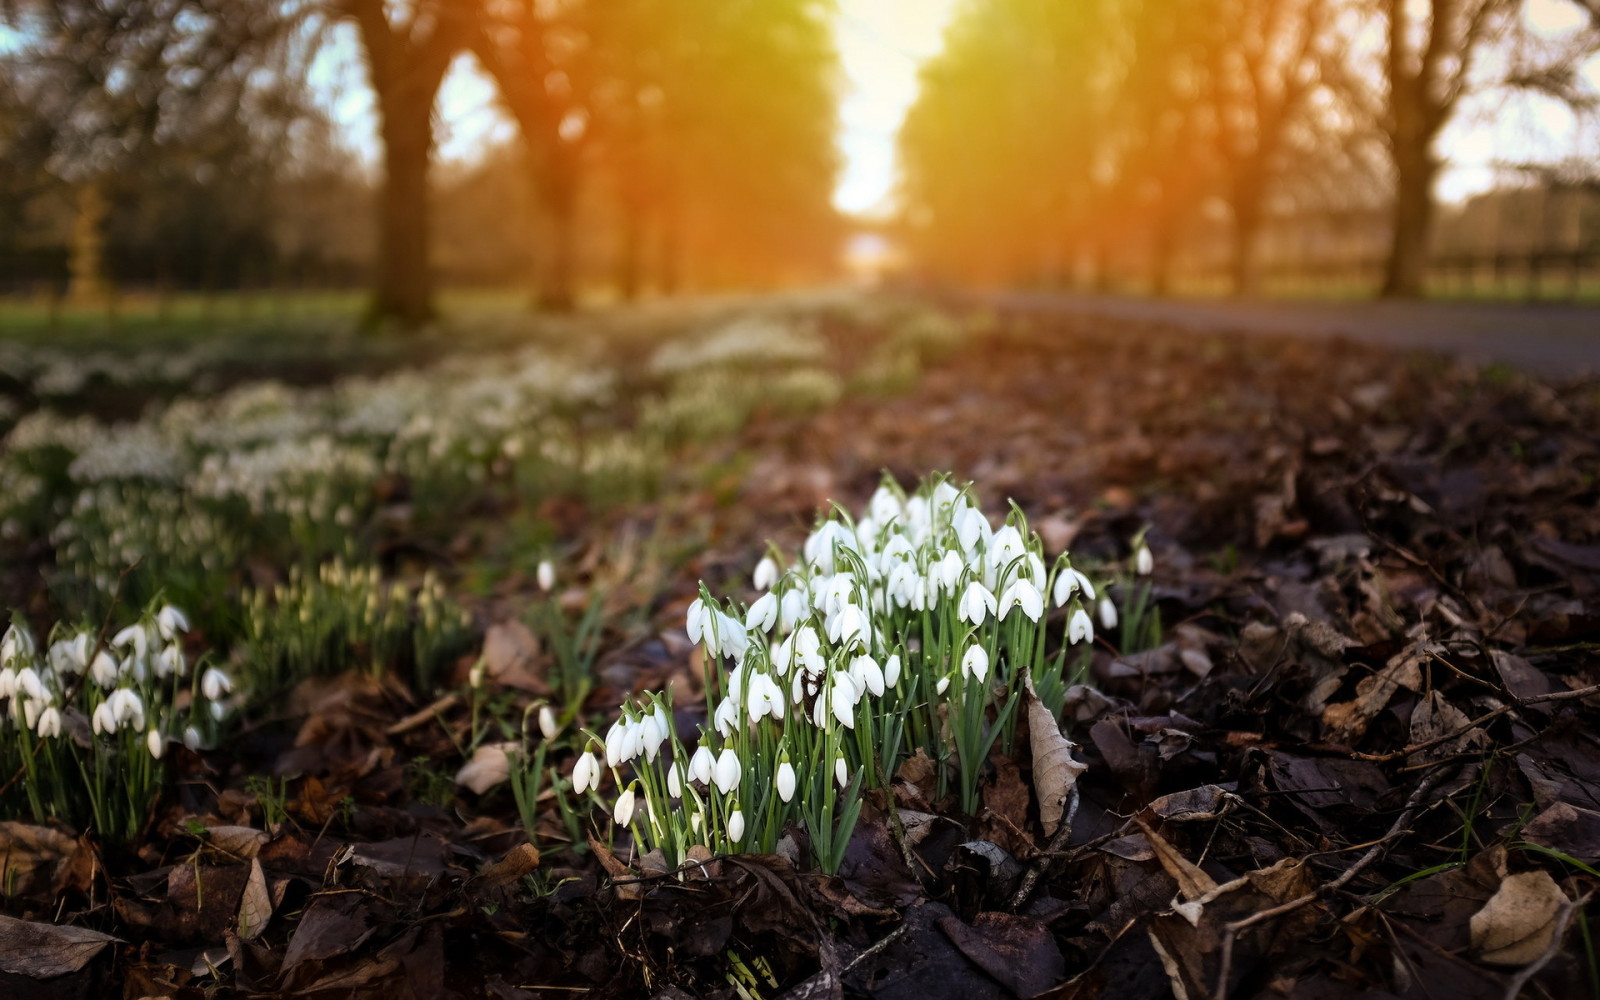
x: 1230, y: 931
x: 1574, y: 694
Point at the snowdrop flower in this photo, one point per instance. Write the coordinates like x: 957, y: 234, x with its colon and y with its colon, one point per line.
x: 31, y: 711
x: 1005, y: 548
x: 943, y: 685
x: 1023, y: 594
x: 971, y: 527
x: 948, y: 570
x: 866, y: 675
x: 70, y: 657
x: 736, y: 826
x: 819, y: 546
x: 785, y: 781
x: 675, y: 781
x: 8, y: 682
x: 545, y: 576
x: 726, y: 718
x: 848, y: 625
x: 191, y: 738
x: 169, y: 662
x: 1079, y: 628
x: 976, y: 603
x: 156, y: 743
x: 697, y: 620
x: 782, y: 656
x: 842, y: 699
x: 839, y: 592
x: 884, y: 506
x: 809, y: 649
x: 1069, y: 580
x: 133, y: 635
x: 702, y: 764
x: 104, y: 719
x: 841, y: 773
x: 18, y: 641
x: 28, y: 684
x: 126, y: 706
x: 1108, y: 614
x: 792, y: 609
x: 763, y: 614
x: 214, y: 684
x: 764, y: 698
x: 548, y: 724
x: 891, y: 670
x: 728, y: 771
x: 975, y: 663
x: 905, y: 585
x: 104, y: 670
x: 623, y: 813
x: 219, y: 711
x: 730, y: 637
x: 766, y: 574
x: 618, y: 741
x: 49, y: 724
x: 1143, y: 563
x: 171, y: 622
x: 585, y: 773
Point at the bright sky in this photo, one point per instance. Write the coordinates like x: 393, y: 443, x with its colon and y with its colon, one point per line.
x: 881, y: 44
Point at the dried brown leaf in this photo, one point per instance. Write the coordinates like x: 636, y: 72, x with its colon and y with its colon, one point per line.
x: 44, y: 951
x: 1055, y: 773
x: 1516, y: 925
x: 255, y: 906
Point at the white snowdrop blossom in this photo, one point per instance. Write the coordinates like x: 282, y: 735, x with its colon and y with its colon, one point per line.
x: 766, y: 574
x: 545, y: 575
x: 728, y: 771
x: 1143, y: 563
x: 785, y: 781
x: 763, y: 614
x: 842, y: 699
x: 736, y: 826
x: 622, y: 814
x: 1079, y: 628
x: 549, y: 727
x: 975, y: 663
x: 585, y: 773
x: 1022, y: 594
x: 1108, y: 614
x: 697, y: 620
x: 214, y: 684
x: 155, y: 743
x: 702, y: 764
x: 977, y: 602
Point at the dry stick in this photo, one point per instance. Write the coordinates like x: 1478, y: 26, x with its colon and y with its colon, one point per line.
x: 1037, y: 869
x: 1512, y: 706
x: 1527, y: 972
x: 1231, y: 930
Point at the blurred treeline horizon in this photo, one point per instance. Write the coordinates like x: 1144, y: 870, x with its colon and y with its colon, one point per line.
x: 666, y: 146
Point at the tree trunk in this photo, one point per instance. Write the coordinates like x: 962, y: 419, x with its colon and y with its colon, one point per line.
x: 86, y: 267
x: 630, y: 261
x: 1407, y: 263
x: 403, y: 291
x: 1243, y: 271
x: 556, y: 287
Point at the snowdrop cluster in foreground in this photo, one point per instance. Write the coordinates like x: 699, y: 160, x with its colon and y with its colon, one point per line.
x: 87, y: 721
x: 908, y: 629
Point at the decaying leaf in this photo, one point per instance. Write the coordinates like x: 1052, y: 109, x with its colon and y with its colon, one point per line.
x: 511, y: 657
x: 1055, y: 773
x: 255, y: 906
x: 1516, y: 925
x: 1348, y: 720
x: 33, y: 858
x: 44, y: 951
x: 490, y: 765
x: 1192, y: 882
x: 1434, y: 718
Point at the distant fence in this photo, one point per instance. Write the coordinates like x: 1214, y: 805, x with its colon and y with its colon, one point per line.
x: 1547, y: 275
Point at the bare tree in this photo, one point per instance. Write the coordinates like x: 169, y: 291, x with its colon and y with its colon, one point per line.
x: 407, y: 48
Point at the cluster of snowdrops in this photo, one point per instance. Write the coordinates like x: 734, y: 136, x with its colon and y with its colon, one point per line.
x: 915, y: 628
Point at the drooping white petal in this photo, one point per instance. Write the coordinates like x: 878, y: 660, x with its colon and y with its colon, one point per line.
x: 728, y: 771
x: 785, y: 781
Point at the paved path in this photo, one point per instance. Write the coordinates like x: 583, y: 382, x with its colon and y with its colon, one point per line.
x: 1547, y: 339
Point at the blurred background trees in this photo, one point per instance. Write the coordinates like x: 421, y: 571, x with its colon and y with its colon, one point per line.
x: 158, y: 143
x: 1096, y: 141
x: 658, y: 146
